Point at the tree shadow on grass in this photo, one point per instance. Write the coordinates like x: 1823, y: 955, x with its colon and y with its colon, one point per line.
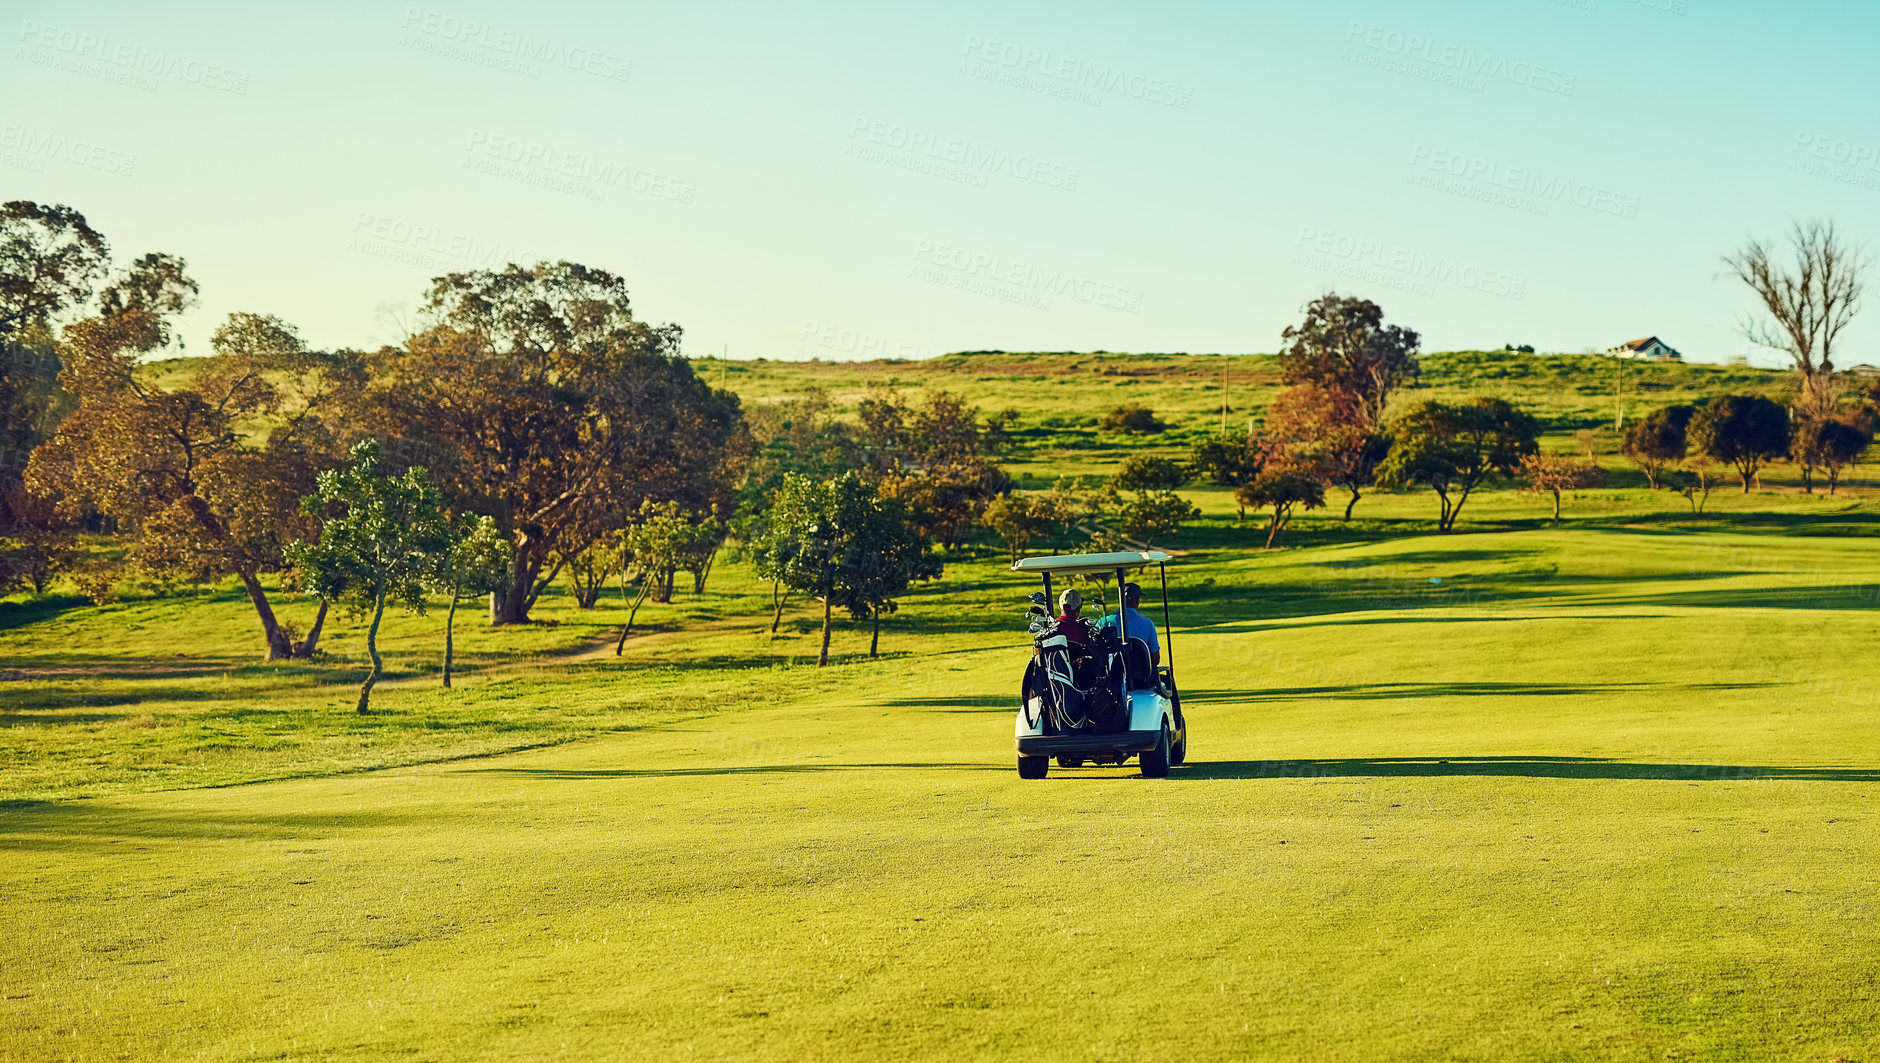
x: 1402, y: 691
x: 1846, y: 596
x: 963, y: 703
x: 1512, y: 766
x: 1418, y: 617
x: 754, y: 769
x: 88, y: 667
x: 39, y: 700
x: 48, y: 825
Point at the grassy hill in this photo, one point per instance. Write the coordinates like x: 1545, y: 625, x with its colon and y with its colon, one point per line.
x: 1602, y: 790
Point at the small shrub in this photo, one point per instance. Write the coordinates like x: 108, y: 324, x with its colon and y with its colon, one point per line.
x: 1145, y: 472
x: 1133, y: 418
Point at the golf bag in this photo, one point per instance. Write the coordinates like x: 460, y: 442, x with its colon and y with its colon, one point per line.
x: 1054, y: 681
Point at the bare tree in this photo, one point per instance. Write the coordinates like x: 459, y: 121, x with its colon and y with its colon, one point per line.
x: 1811, y: 302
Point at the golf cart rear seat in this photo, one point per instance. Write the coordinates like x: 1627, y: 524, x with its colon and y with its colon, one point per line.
x: 1138, y: 666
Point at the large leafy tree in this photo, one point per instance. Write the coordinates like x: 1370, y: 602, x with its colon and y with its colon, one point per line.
x: 1344, y: 344
x: 205, y: 478
x: 541, y: 399
x: 1741, y: 431
x: 382, y: 541
x: 1453, y: 448
x: 50, y: 259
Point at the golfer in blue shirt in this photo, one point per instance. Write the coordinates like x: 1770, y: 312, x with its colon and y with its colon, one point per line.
x: 1135, y: 625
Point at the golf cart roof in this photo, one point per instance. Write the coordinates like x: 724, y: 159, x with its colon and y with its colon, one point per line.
x: 1092, y: 563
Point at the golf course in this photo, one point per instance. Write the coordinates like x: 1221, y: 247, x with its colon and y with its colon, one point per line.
x: 1604, y: 788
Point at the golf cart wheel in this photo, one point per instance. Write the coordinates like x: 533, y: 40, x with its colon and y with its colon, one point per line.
x: 1155, y: 761
x: 1178, y: 753
x: 1033, y: 767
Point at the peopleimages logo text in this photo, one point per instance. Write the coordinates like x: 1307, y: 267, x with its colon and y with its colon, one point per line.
x: 1027, y: 277
x: 970, y: 157
x: 34, y: 144
x: 516, y: 44
x: 1524, y: 180
x: 588, y: 175
x: 1416, y: 265
x: 1458, y: 58
x: 1078, y: 72
x: 133, y: 59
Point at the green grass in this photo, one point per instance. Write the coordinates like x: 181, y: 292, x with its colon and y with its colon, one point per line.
x: 1604, y: 791
x: 1592, y: 792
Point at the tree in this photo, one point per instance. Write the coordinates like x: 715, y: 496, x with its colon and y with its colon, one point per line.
x: 1145, y: 472
x: 654, y: 544
x: 549, y: 406
x: 1133, y: 418
x: 1020, y: 520
x: 203, y: 479
x: 1281, y: 486
x: 1328, y: 430
x: 663, y: 540
x: 801, y: 549
x: 476, y: 563
x: 590, y: 571
x: 836, y: 541
x: 1227, y: 459
x: 49, y: 260
x: 1553, y: 473
x: 1453, y: 448
x: 381, y: 542
x: 1153, y: 515
x: 1742, y: 431
x: 35, y: 543
x: 1810, y: 303
x: 796, y: 434
x: 1344, y: 344
x: 936, y: 457
x: 1830, y: 444
x: 1658, y: 440
x: 884, y: 554
x: 1695, y: 483
x: 1071, y: 509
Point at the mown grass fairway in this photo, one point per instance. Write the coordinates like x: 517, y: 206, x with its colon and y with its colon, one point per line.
x: 1603, y: 792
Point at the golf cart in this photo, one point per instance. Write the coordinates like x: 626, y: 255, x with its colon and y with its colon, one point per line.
x: 1098, y: 699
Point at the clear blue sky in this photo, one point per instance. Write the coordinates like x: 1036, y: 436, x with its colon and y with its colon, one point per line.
x: 847, y: 179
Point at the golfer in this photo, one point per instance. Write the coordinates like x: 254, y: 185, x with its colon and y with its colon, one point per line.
x: 1070, y: 619
x: 1135, y: 625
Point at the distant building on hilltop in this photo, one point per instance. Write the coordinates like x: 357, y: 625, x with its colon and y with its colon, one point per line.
x: 1651, y: 348
x: 1865, y: 371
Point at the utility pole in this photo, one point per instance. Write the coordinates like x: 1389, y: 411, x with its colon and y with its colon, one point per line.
x: 1618, y: 393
